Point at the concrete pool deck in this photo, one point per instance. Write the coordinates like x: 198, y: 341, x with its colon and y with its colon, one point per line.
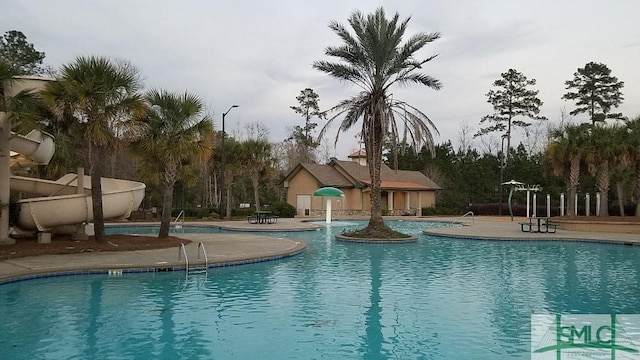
x: 502, y: 228
x: 221, y: 249
x: 244, y: 247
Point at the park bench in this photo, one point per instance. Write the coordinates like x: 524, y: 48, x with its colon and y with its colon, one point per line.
x: 539, y: 224
x: 262, y: 217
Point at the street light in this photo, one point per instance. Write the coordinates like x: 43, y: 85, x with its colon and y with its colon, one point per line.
x: 223, y: 190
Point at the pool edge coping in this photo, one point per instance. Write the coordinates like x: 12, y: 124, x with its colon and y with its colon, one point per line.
x: 542, y: 238
x: 27, y: 274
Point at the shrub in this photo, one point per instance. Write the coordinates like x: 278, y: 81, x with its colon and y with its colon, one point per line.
x: 193, y: 213
x: 283, y: 209
x: 243, y: 212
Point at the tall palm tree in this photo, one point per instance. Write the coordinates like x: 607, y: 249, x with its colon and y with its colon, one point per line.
x: 374, y: 59
x: 633, y: 129
x: 258, y: 162
x: 99, y: 95
x: 622, y: 164
x: 178, y: 133
x: 566, y: 151
x: 601, y: 154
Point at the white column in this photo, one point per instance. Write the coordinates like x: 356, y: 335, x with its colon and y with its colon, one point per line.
x: 535, y: 205
x: 562, y: 204
x: 5, y: 128
x: 575, y: 208
x: 328, y: 216
x: 548, y: 205
x: 419, y: 212
x: 528, y: 204
x: 407, y: 200
x: 597, y: 204
x: 390, y: 200
x: 587, y: 204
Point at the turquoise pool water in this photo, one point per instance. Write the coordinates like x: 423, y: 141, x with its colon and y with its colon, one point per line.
x: 437, y: 298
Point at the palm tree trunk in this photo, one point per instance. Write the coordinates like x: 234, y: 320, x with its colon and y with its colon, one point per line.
x: 620, y: 193
x: 603, y: 188
x: 376, y: 210
x: 373, y: 147
x: 170, y: 176
x: 571, y: 205
x: 95, y: 155
x: 574, y: 179
x: 167, y: 204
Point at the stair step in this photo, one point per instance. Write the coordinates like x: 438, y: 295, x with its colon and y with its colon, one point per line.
x: 197, y: 269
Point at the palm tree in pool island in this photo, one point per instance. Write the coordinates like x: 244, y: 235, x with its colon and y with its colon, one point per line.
x: 375, y: 58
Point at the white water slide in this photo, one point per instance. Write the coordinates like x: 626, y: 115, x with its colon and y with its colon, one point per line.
x: 62, y: 202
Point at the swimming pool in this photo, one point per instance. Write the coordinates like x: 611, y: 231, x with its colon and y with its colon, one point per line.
x: 436, y: 298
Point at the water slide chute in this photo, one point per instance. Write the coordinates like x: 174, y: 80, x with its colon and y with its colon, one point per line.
x: 66, y: 201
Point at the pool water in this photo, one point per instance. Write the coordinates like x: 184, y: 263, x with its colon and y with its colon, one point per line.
x: 437, y: 298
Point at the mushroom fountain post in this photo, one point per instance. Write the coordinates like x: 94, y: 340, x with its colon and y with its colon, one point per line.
x: 328, y: 193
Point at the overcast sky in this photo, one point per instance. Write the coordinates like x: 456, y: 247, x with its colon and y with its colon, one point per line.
x: 258, y: 54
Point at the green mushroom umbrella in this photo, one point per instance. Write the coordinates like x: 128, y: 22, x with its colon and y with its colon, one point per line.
x: 328, y: 193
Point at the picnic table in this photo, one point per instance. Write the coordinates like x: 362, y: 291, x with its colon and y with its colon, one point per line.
x: 262, y: 217
x: 538, y: 224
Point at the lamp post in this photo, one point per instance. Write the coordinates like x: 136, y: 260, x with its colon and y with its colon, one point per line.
x: 223, y: 190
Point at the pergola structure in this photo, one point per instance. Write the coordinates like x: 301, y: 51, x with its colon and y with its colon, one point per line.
x: 520, y: 186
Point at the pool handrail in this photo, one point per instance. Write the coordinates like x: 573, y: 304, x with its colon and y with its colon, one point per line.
x: 180, y: 218
x: 182, y: 251
x: 457, y: 220
x: 204, y: 254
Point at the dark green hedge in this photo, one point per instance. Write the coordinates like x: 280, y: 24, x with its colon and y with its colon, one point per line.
x: 283, y: 209
x: 432, y: 211
x: 194, y: 213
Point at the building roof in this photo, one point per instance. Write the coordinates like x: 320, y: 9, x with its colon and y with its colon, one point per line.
x: 401, y: 185
x: 326, y: 175
x: 349, y: 174
x: 358, y: 154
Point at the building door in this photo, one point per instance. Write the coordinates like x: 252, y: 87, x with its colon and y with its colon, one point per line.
x: 303, y: 204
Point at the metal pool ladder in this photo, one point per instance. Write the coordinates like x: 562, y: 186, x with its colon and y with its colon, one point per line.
x: 458, y: 220
x: 200, y: 267
x: 180, y: 218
